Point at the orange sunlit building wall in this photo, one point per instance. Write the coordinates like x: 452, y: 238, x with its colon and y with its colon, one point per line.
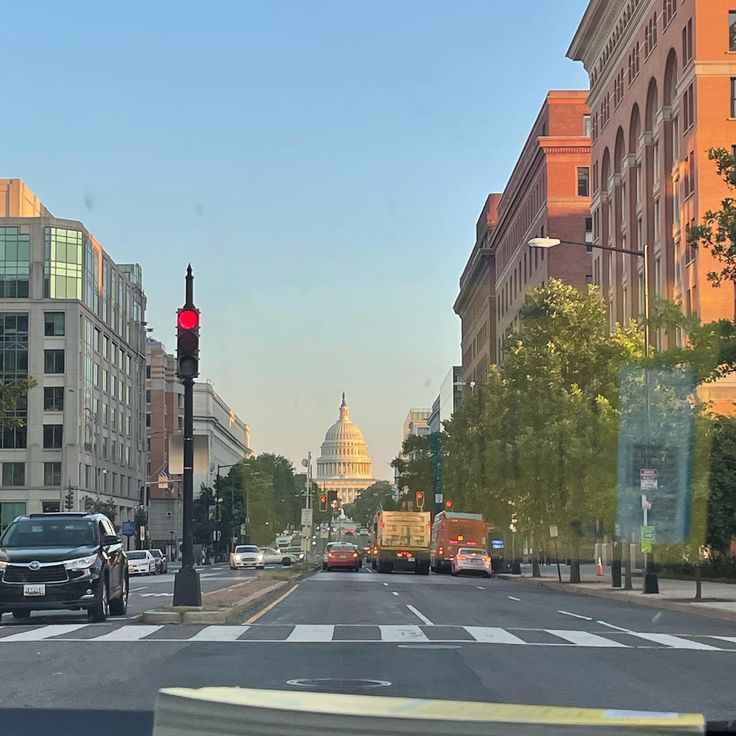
x: 662, y: 93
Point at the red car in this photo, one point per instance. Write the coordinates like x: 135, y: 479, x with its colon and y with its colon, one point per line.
x: 343, y: 555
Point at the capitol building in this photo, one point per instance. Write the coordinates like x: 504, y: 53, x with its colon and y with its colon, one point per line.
x: 344, y: 464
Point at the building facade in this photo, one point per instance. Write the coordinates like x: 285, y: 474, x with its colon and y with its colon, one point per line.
x: 344, y: 464
x: 416, y: 423
x: 448, y: 400
x: 73, y: 320
x: 548, y: 194
x: 164, y: 418
x: 662, y: 93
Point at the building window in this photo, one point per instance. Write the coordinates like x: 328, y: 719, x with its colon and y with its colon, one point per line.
x: 589, y: 234
x: 148, y: 419
x: 586, y: 125
x: 52, y: 474
x: 148, y: 371
x: 669, y: 8
x: 53, y: 324
x: 53, y: 361
x: 62, y: 263
x: 53, y: 398
x: 583, y: 181
x: 687, y: 43
x: 14, y: 474
x: 655, y: 218
x: 658, y: 276
x: 9, y: 511
x: 688, y: 108
x: 148, y: 396
x: 14, y: 368
x: 52, y: 436
x: 732, y: 30
x: 733, y: 97
x: 638, y: 183
x: 15, y: 264
x: 639, y: 233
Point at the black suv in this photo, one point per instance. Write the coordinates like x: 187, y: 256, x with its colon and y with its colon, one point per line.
x: 63, y: 561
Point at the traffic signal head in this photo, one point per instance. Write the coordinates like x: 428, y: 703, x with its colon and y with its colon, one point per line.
x: 187, y: 342
x: 420, y: 499
x: 448, y: 505
x: 323, y: 503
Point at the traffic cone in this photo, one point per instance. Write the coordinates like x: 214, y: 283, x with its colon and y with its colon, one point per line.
x: 599, y: 568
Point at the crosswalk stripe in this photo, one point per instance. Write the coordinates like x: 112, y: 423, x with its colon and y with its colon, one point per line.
x: 43, y: 633
x: 128, y: 633
x: 315, y: 632
x: 402, y: 633
x: 219, y: 633
x: 731, y: 639
x: 493, y: 635
x: 584, y: 638
x: 676, y: 642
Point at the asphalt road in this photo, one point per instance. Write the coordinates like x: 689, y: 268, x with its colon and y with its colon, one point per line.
x: 436, y: 636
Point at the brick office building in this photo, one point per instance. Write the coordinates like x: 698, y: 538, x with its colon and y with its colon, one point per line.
x: 548, y: 194
x: 662, y: 92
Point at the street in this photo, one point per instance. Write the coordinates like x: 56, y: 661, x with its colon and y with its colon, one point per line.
x: 436, y: 636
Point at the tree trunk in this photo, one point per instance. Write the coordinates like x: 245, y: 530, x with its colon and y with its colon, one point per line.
x: 698, y: 586
x: 575, y: 562
x: 536, y: 572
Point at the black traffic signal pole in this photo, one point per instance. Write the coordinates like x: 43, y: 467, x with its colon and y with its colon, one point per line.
x: 187, y: 590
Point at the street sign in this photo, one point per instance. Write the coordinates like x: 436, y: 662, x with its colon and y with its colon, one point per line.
x: 438, y: 498
x: 497, y: 544
x: 647, y: 538
x: 553, y: 531
x: 142, y: 533
x: 306, y: 517
x: 648, y: 479
x: 129, y: 528
x: 645, y: 502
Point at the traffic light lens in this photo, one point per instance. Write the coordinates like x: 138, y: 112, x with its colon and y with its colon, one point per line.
x: 188, y: 319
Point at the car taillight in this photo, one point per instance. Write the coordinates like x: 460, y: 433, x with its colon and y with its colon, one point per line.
x: 462, y: 557
x: 486, y: 558
x: 330, y: 554
x: 441, y: 550
x: 355, y: 554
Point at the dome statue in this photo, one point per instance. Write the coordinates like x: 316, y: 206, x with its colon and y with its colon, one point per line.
x: 344, y: 464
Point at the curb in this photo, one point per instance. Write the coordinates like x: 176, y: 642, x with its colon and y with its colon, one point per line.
x: 614, y: 594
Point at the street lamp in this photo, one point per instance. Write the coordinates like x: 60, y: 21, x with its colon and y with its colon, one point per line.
x: 650, y: 576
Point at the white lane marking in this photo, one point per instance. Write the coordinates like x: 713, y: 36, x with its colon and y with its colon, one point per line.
x: 394, y: 593
x: 612, y: 626
x: 493, y: 635
x: 732, y: 639
x: 156, y: 595
x: 575, y: 615
x: 402, y: 633
x: 513, y: 598
x: 313, y: 632
x: 386, y: 584
x: 219, y: 633
x: 419, y: 615
x: 675, y: 642
x: 584, y: 638
x: 44, y: 632
x: 128, y: 633
x: 480, y: 587
x: 133, y: 590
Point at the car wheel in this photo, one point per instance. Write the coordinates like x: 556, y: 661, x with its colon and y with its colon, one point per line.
x: 286, y: 561
x: 119, y: 606
x: 324, y: 565
x: 453, y: 572
x: 99, y: 612
x: 21, y: 613
x: 232, y: 567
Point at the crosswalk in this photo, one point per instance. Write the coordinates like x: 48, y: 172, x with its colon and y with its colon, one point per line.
x: 406, y: 635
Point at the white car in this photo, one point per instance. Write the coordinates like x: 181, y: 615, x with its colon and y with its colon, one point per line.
x: 247, y: 555
x: 141, y: 562
x: 472, y: 559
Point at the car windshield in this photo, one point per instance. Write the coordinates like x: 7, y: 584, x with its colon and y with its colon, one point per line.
x: 472, y: 551
x: 156, y: 553
x: 137, y: 555
x: 50, y: 532
x: 247, y: 548
x: 343, y: 548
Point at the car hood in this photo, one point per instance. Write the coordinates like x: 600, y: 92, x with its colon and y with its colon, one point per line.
x: 45, y: 554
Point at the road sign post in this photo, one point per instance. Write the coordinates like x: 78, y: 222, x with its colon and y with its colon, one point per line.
x: 648, y: 482
x: 553, y: 532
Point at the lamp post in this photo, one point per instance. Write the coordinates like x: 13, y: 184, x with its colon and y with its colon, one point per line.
x: 650, y: 576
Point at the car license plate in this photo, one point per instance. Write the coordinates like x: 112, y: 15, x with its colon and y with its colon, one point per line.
x: 34, y: 590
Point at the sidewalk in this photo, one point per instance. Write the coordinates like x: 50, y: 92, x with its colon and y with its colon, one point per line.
x: 718, y: 599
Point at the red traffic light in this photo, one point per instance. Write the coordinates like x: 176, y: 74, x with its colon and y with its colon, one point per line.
x: 448, y: 504
x: 187, y: 319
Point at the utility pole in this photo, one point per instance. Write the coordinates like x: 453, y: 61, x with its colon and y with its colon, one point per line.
x: 187, y: 590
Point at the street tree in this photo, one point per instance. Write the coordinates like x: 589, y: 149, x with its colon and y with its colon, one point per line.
x: 380, y: 495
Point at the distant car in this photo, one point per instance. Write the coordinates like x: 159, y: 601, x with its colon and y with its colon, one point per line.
x: 141, y: 562
x: 162, y: 564
x: 328, y: 547
x: 343, y: 555
x: 272, y: 556
x: 472, y: 560
x: 296, y: 554
x: 247, y: 555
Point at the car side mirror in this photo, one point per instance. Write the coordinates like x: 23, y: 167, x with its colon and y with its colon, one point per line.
x: 109, y: 539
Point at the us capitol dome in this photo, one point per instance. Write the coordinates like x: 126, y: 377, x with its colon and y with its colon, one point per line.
x: 344, y: 464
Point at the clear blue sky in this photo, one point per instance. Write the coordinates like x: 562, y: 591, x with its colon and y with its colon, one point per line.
x: 321, y: 164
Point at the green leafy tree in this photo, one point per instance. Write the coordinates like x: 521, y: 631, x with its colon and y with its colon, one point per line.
x: 416, y: 464
x: 722, y: 499
x: 380, y: 495
x: 100, y: 506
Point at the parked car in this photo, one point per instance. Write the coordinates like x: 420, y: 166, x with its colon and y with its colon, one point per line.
x: 63, y: 561
x: 141, y: 562
x: 296, y: 554
x: 247, y: 555
x: 472, y: 560
x: 344, y: 555
x: 162, y: 564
